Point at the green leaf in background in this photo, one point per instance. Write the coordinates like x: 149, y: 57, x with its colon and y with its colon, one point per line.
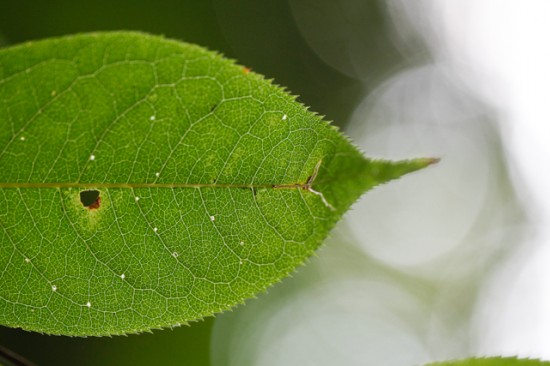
x: 493, y: 361
x: 145, y: 183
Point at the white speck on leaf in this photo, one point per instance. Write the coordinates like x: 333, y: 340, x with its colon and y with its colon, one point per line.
x: 175, y: 254
x: 22, y: 138
x: 92, y: 157
x: 27, y: 260
x: 157, y: 174
x: 284, y: 117
x: 123, y: 276
x: 155, y: 229
x: 242, y: 243
x: 212, y: 218
x: 136, y: 198
x: 152, y: 118
x: 89, y: 304
x: 54, y: 288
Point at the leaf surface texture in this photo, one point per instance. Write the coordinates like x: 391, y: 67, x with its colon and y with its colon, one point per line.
x: 146, y: 183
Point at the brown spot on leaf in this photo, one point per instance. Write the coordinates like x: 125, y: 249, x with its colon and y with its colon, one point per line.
x: 90, y: 199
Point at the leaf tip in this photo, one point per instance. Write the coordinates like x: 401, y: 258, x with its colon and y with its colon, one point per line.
x: 427, y: 161
x: 385, y: 172
x: 412, y: 165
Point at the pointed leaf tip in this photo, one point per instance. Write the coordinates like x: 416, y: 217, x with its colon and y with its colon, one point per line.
x: 413, y: 165
x: 383, y: 171
x: 356, y: 174
x: 427, y: 161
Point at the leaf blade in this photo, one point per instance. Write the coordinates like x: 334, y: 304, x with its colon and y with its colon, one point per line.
x: 213, y: 183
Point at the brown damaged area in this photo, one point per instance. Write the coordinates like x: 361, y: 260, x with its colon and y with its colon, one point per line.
x: 90, y: 199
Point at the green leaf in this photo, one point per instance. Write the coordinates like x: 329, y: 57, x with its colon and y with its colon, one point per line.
x: 493, y: 361
x: 145, y: 183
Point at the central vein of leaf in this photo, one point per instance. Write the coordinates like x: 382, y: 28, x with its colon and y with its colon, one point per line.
x: 304, y: 186
x: 307, y: 186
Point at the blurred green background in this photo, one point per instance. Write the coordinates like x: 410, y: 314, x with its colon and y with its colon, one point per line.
x: 398, y: 282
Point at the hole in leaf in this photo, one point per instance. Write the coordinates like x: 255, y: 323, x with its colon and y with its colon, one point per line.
x: 90, y: 199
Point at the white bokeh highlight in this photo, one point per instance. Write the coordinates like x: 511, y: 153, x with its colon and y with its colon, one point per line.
x: 501, y: 51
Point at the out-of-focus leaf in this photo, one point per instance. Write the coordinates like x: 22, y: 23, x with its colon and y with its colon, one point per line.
x: 493, y: 361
